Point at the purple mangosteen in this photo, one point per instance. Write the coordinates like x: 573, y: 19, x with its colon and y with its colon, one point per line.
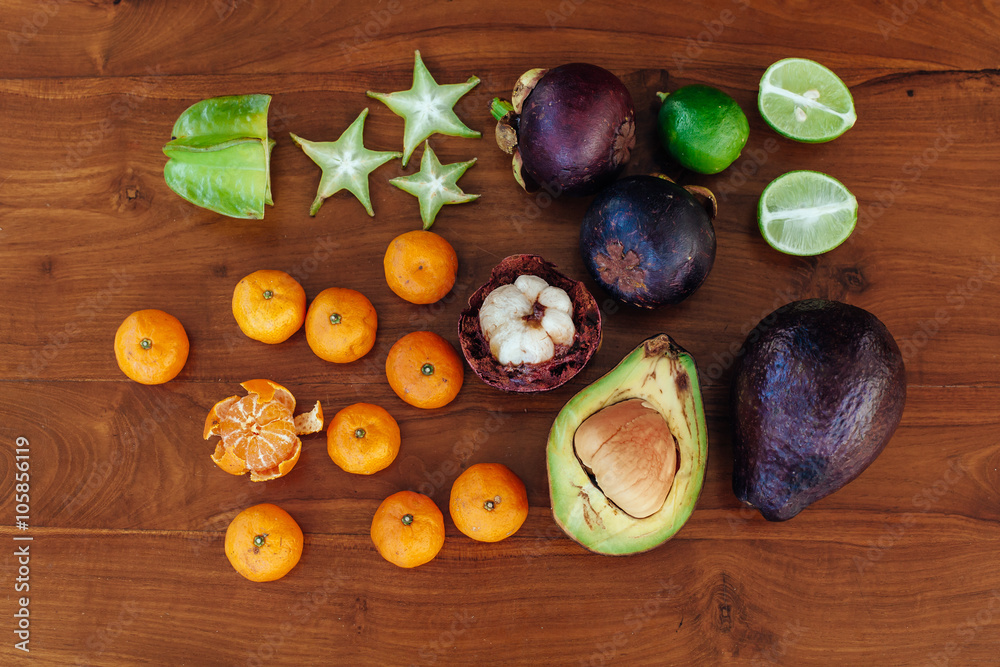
x: 648, y: 241
x: 571, y: 129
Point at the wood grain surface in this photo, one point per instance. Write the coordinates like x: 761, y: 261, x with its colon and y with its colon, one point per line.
x: 127, y: 512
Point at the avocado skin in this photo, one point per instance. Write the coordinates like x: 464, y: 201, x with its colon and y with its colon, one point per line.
x: 818, y: 391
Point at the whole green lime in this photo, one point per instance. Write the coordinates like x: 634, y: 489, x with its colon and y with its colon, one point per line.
x: 703, y: 128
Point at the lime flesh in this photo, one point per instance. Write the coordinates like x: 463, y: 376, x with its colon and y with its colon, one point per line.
x: 806, y: 213
x: 703, y: 128
x: 803, y: 100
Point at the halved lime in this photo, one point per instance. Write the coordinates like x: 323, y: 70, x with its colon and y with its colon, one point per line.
x: 806, y: 213
x: 803, y: 100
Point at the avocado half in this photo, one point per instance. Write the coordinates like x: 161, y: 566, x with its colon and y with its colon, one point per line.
x: 664, y: 375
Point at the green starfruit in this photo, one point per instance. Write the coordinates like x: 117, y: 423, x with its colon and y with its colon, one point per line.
x: 220, y: 156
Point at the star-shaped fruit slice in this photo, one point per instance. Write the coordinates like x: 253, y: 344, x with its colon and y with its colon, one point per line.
x: 428, y: 108
x: 346, y: 164
x: 435, y: 184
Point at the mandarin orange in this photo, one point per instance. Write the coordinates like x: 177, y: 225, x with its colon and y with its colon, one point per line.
x: 424, y: 370
x: 151, y: 346
x: 408, y: 529
x: 420, y: 266
x: 263, y: 542
x: 341, y: 325
x: 488, y: 502
x: 363, y: 439
x: 258, y: 432
x: 269, y: 306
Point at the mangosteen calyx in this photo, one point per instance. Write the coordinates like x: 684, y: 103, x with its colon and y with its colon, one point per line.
x: 525, y: 84
x: 624, y: 142
x: 507, y: 121
x: 508, y: 114
x: 620, y: 267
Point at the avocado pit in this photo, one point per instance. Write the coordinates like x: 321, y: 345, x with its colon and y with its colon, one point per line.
x: 629, y: 451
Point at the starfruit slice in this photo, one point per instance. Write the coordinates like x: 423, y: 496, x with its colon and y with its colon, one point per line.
x: 428, y: 107
x: 220, y: 155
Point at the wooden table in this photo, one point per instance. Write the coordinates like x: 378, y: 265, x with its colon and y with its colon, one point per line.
x: 127, y: 512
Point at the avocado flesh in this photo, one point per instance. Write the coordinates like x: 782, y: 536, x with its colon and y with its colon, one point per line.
x: 665, y: 376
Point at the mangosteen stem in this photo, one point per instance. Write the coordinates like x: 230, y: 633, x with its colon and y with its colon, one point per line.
x: 507, y: 121
x: 663, y: 97
x: 500, y: 108
x: 707, y: 198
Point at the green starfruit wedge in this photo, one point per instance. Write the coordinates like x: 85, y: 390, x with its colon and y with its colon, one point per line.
x: 220, y: 156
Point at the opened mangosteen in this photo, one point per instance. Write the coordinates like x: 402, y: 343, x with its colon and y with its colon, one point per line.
x: 571, y: 129
x: 648, y: 241
x: 529, y: 328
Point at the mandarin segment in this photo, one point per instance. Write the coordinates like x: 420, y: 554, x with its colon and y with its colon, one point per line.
x: 408, y: 529
x: 341, y: 325
x: 424, y: 370
x: 258, y: 432
x: 213, y: 420
x: 263, y: 543
x: 151, y: 346
x: 488, y: 502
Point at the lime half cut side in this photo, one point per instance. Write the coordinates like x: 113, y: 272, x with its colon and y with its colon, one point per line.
x: 806, y: 213
x: 803, y: 100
